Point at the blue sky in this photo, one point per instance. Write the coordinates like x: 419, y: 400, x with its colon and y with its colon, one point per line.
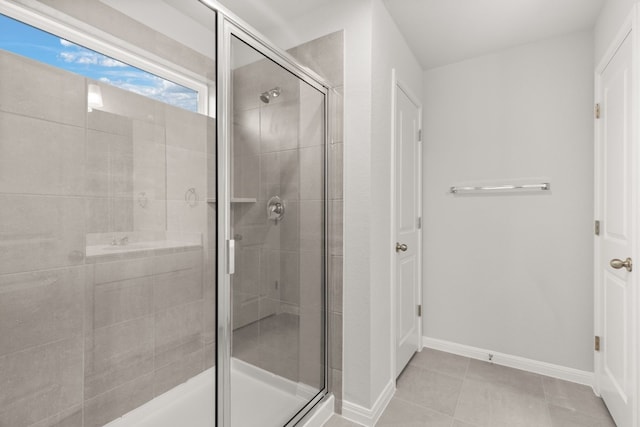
x: 28, y: 41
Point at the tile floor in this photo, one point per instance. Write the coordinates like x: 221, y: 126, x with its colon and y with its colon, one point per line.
x: 444, y: 390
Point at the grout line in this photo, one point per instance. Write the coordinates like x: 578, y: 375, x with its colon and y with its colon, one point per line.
x: 464, y: 379
x: 77, y: 335
x: 43, y: 119
x: 417, y: 405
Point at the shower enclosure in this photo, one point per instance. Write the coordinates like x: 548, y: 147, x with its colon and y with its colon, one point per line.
x: 273, y: 120
x: 162, y: 219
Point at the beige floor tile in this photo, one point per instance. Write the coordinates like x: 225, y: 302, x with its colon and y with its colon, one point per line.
x: 515, y: 379
x: 574, y: 397
x: 487, y: 395
x: 563, y: 417
x: 400, y: 413
x: 429, y: 389
x: 439, y: 361
x: 487, y: 404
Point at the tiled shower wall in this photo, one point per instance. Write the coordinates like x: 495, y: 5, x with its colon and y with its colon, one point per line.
x: 278, y: 151
x: 86, y: 339
x: 42, y: 356
x: 325, y: 56
x: 274, y: 157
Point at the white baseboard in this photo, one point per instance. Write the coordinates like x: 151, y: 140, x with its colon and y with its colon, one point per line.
x: 365, y: 416
x: 321, y: 413
x: 530, y: 365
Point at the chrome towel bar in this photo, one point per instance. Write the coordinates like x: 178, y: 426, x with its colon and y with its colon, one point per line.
x: 510, y: 187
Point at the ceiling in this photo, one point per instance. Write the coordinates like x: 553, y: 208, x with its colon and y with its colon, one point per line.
x: 441, y: 32
x: 264, y: 14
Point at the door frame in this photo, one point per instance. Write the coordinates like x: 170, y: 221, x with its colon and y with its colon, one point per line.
x: 628, y: 29
x: 396, y: 84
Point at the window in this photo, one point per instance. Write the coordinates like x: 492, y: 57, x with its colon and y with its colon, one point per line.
x: 28, y: 41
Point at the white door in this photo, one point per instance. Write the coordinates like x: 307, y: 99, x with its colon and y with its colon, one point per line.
x: 407, y: 214
x: 617, y: 233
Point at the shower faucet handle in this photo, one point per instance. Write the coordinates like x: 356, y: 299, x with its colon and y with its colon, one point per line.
x: 275, y: 209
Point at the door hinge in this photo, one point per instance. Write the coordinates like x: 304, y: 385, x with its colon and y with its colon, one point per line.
x: 420, y: 310
x: 420, y: 135
x: 597, y: 343
x: 419, y: 222
x: 597, y: 228
x: 597, y: 111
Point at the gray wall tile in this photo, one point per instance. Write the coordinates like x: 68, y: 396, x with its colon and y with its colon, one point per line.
x: 116, y: 354
x: 178, y: 330
x: 278, y: 126
x: 39, y: 232
x: 37, y: 90
x: 68, y: 418
x: 118, y: 401
x: 324, y: 55
x: 40, y: 382
x: 120, y: 301
x: 40, y: 307
x: 40, y: 157
x: 173, y: 374
x: 177, y: 287
x: 311, y: 173
x: 185, y: 130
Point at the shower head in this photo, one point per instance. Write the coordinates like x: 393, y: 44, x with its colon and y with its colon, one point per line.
x: 271, y: 93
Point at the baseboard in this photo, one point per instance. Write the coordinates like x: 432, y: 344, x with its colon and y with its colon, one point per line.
x: 522, y: 363
x: 320, y: 414
x: 365, y: 416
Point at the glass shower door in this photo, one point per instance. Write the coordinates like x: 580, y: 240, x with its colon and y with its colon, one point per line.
x: 276, y: 319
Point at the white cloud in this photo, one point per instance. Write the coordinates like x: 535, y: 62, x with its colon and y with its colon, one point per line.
x: 162, y: 90
x: 110, y: 62
x: 66, y: 43
x: 80, y: 55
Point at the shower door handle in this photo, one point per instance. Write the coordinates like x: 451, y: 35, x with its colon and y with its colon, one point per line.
x: 231, y: 256
x: 401, y: 247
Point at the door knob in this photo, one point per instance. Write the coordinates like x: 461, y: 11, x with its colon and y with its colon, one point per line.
x: 401, y: 247
x: 618, y: 264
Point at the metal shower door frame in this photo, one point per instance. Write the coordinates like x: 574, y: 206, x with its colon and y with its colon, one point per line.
x: 229, y: 26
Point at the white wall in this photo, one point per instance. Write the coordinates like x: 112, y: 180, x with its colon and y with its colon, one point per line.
x: 512, y: 273
x: 355, y: 18
x: 612, y: 15
x: 373, y: 46
x: 390, y: 51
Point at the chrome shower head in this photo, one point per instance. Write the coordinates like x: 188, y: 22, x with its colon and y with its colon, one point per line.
x: 271, y: 93
x: 275, y: 92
